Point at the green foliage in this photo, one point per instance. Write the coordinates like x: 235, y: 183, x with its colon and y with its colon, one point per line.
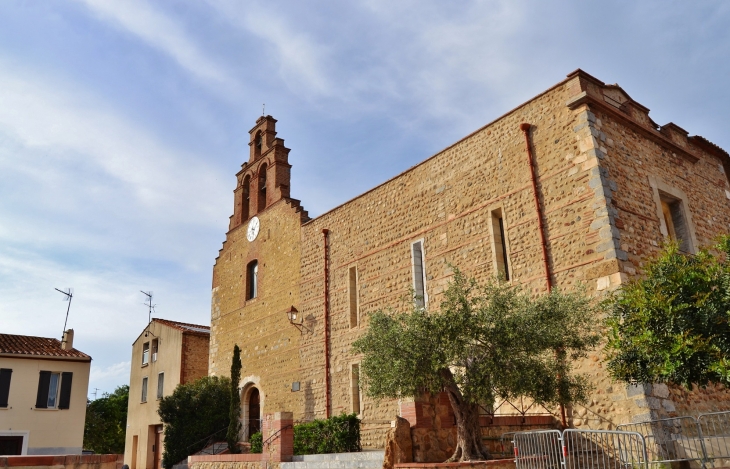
x: 106, y: 422
x: 234, y: 414
x: 497, y: 340
x: 339, y: 434
x: 672, y: 324
x: 257, y: 442
x: 191, y: 413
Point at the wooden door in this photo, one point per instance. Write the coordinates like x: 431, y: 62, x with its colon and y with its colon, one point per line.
x: 157, y: 448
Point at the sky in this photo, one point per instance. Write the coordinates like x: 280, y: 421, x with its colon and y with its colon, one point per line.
x: 123, y: 124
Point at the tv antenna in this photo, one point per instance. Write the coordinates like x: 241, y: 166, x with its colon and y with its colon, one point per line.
x: 150, y: 308
x: 95, y: 391
x: 68, y: 296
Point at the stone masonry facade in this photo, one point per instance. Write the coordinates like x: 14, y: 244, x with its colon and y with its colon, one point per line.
x: 604, y: 174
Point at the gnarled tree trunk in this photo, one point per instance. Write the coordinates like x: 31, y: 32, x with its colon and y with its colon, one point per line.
x: 469, y: 444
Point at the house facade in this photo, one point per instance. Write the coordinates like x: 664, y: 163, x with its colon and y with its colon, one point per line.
x: 43, y: 390
x: 577, y: 185
x: 165, y: 354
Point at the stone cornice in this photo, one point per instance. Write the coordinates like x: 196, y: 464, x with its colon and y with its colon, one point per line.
x: 585, y: 98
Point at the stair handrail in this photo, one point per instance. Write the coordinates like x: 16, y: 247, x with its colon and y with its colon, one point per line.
x: 207, y: 438
x: 268, y: 441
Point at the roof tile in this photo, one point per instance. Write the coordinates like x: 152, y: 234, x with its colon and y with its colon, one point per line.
x: 38, y: 346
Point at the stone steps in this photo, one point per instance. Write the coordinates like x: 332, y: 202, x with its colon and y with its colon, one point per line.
x: 361, y: 460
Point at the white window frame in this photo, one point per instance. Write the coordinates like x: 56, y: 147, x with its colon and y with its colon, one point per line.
x: 145, y: 389
x: 423, y: 271
x: 54, y: 397
x: 160, y: 384
x: 146, y: 353
x: 24, y: 433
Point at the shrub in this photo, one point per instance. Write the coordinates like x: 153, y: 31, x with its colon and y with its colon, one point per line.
x: 106, y: 422
x: 191, y: 413
x: 340, y: 434
x: 256, y: 440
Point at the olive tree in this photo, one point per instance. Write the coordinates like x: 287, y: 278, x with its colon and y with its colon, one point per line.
x: 484, y: 342
x: 671, y: 325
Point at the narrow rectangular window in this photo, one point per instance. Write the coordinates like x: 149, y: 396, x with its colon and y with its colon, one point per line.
x: 353, y: 296
x: 145, y: 353
x: 160, y: 385
x: 419, y: 274
x: 144, y: 389
x: 355, y: 386
x: 154, y: 350
x: 252, y: 280
x: 675, y: 221
x: 5, y: 374
x: 499, y: 244
x: 64, y: 401
x: 53, y: 391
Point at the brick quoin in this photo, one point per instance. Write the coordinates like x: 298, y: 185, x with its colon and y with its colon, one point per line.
x: 600, y: 163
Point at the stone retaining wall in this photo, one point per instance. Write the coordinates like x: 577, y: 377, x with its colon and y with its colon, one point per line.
x: 93, y: 461
x: 493, y: 464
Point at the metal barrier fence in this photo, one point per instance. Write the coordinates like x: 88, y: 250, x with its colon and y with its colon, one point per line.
x: 538, y: 450
x: 703, y: 441
x: 671, y: 440
x: 715, y: 428
x: 603, y: 449
x: 579, y: 449
x: 506, y: 443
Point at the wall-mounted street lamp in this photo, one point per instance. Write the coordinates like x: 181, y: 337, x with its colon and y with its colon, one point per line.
x: 295, y: 319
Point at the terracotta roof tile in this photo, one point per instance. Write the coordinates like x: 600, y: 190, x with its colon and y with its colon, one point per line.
x: 183, y: 326
x: 39, y: 346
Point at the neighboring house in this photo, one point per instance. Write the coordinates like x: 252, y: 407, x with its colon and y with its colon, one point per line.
x: 166, y: 353
x: 609, y: 187
x: 43, y: 389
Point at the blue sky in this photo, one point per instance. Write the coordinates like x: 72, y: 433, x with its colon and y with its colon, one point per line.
x: 122, y: 124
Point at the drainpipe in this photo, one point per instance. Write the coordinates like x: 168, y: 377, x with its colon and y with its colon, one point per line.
x: 325, y: 233
x: 525, y: 127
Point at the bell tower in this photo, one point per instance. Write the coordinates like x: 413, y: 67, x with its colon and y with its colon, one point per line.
x: 265, y: 178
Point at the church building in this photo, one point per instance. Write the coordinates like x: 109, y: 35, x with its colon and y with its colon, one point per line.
x: 577, y: 185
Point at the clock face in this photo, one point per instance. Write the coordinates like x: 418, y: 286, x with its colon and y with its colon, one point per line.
x: 253, y: 229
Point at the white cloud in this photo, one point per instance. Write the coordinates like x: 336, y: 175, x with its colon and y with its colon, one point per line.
x: 301, y: 59
x: 80, y: 159
x: 118, y: 372
x: 161, y: 32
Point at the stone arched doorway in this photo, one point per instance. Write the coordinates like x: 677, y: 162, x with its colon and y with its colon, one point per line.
x: 251, y: 406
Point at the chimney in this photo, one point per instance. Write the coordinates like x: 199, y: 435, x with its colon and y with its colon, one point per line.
x: 68, y: 340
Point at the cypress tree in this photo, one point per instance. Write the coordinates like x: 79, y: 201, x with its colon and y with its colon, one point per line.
x: 234, y: 427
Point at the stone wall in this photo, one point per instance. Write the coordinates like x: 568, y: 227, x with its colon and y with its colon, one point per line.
x: 94, y: 461
x: 269, y: 343
x: 493, y: 464
x: 599, y: 162
x: 195, y: 350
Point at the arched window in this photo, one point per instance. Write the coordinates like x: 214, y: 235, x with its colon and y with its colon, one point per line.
x: 258, y: 142
x: 252, y: 280
x: 245, y: 198
x: 262, y: 187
